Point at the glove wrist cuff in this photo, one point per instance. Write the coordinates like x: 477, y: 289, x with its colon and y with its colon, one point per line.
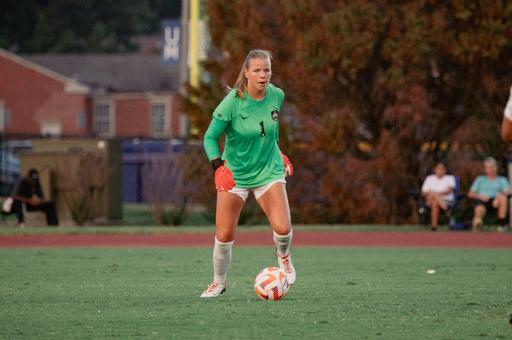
x: 217, y: 163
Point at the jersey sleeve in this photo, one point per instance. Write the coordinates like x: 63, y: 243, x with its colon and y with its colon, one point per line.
x: 475, y: 187
x: 426, y: 185
x: 211, y: 137
x: 280, y: 98
x: 453, y: 183
x: 24, y: 189
x: 225, y: 110
x: 505, y: 185
x: 221, y: 118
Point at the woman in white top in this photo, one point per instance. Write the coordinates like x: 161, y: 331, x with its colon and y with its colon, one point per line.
x: 438, y: 192
x: 506, y: 124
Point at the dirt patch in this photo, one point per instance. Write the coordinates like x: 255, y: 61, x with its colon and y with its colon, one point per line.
x: 320, y: 239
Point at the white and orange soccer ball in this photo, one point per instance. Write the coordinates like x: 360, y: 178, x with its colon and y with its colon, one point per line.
x: 271, y: 284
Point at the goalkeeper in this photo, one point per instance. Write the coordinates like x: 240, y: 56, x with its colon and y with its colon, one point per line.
x: 251, y: 162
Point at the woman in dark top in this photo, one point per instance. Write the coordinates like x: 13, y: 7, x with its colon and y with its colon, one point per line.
x: 28, y: 196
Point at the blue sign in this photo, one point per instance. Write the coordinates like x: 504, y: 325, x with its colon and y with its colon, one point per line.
x: 171, y: 41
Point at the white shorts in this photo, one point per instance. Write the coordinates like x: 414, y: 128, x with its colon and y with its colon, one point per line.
x: 243, y: 193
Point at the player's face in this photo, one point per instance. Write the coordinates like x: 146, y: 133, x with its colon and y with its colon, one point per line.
x: 490, y: 169
x: 258, y: 74
x: 440, y: 170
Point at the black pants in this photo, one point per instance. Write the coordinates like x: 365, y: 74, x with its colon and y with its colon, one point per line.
x: 47, y: 207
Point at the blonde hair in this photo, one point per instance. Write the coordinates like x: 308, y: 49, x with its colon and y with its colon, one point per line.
x: 241, y: 82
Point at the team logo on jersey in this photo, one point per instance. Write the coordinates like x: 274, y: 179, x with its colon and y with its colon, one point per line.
x: 275, y: 115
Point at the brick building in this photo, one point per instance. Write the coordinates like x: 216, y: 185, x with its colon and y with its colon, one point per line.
x: 89, y: 95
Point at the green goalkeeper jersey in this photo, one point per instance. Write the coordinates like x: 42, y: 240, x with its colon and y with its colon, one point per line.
x: 251, y: 126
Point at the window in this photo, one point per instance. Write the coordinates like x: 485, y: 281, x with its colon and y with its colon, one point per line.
x: 158, y: 119
x: 2, y: 117
x: 80, y: 120
x: 184, y: 125
x: 103, y: 122
x: 5, y: 117
x: 50, y: 128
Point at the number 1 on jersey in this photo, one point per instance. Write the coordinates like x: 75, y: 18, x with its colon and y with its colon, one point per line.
x: 262, y: 129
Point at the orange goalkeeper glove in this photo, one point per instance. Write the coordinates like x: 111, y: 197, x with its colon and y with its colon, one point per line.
x: 224, y: 180
x: 288, y: 167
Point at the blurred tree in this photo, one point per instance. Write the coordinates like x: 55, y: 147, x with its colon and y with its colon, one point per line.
x: 375, y: 91
x: 59, y: 26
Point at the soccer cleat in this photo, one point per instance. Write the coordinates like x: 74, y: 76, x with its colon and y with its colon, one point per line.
x: 285, y: 263
x: 214, y: 290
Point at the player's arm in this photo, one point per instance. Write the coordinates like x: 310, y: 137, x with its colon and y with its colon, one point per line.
x: 212, y: 136
x: 476, y: 196
x: 288, y: 167
x: 506, y: 124
x: 451, y: 187
x: 24, y: 199
x: 447, y: 191
x: 23, y: 193
x: 505, y: 186
x: 506, y: 129
x: 425, y: 188
x: 224, y: 180
x: 472, y: 194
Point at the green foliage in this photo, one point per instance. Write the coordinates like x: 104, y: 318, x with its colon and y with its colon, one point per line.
x: 60, y: 26
x: 378, y: 87
x: 340, y: 293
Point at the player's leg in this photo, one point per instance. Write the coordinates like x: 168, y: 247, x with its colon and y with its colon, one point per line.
x: 17, y: 208
x: 432, y: 203
x: 434, y: 216
x: 478, y: 216
x: 51, y: 214
x: 500, y: 204
x: 436, y: 204
x: 229, y: 206
x: 274, y: 202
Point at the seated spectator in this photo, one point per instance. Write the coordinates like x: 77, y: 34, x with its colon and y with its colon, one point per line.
x: 438, y: 192
x: 506, y: 124
x: 28, y: 196
x: 490, y: 193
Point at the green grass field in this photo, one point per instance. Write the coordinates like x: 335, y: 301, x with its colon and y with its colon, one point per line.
x: 340, y: 293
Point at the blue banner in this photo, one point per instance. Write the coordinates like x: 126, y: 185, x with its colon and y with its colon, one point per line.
x: 171, y: 41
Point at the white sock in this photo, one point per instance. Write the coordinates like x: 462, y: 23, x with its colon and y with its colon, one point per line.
x: 221, y: 260
x: 283, y: 243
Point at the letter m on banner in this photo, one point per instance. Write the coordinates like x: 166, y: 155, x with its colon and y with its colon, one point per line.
x: 171, y: 41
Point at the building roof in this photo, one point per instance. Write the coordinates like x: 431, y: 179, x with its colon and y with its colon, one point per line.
x: 113, y: 72
x: 71, y: 85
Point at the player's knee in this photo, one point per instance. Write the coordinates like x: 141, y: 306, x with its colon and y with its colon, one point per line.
x: 502, y: 199
x: 282, y: 228
x: 480, y: 210
x: 225, y: 236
